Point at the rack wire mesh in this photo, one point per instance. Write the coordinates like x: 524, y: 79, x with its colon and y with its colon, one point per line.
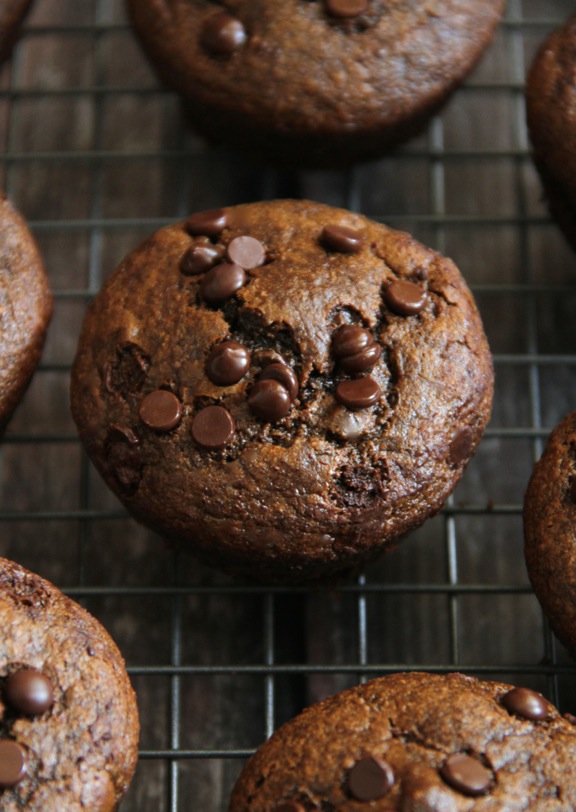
x: 95, y: 155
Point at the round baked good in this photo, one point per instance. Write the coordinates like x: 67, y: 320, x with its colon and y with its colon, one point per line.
x: 314, y: 81
x: 68, y: 717
x: 551, y: 116
x: 417, y: 742
x: 12, y: 12
x: 550, y: 531
x: 283, y: 387
x: 25, y: 308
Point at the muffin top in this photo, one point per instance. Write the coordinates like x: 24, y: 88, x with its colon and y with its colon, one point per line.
x: 68, y: 717
x: 417, y: 742
x: 286, y: 386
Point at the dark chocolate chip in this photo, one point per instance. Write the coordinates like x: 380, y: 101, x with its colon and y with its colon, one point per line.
x: 248, y: 252
x: 346, y: 8
x: 359, y: 393
x: 29, y: 692
x: 161, y: 410
x: 269, y: 400
x: 13, y: 763
x: 121, y: 434
x: 200, y: 258
x: 466, y: 774
x: 223, y: 34
x: 370, y: 779
x: 526, y: 704
x: 461, y: 446
x: 354, y: 348
x: 341, y: 238
x: 405, y: 298
x: 213, y: 427
x: 209, y: 223
x: 289, y: 806
x: 227, y: 363
x: 284, y: 375
x: 222, y: 282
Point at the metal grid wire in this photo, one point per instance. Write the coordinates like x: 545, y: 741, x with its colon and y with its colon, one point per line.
x: 95, y: 156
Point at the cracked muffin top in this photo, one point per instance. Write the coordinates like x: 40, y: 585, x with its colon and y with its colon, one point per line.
x: 283, y: 387
x: 417, y: 742
x: 314, y: 81
x: 68, y: 718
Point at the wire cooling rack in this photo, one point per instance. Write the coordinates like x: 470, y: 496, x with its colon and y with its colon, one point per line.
x: 95, y: 156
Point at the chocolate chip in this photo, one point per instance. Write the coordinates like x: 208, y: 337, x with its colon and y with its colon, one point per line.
x: 213, y: 427
x: 269, y: 400
x: 370, y: 779
x: 209, y: 223
x: 248, y: 252
x: 200, y: 258
x: 526, y: 704
x: 341, y: 238
x: 227, y: 363
x: 346, y: 8
x: 461, y: 446
x: 466, y: 774
x: 358, y: 394
x: 354, y: 348
x: 284, y: 375
x: 121, y: 434
x: 223, y: 34
x: 161, y: 410
x: 13, y: 763
x: 405, y: 298
x: 289, y: 806
x: 29, y: 692
x: 222, y: 282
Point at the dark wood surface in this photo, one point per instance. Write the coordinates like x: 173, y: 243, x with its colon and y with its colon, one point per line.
x: 95, y: 155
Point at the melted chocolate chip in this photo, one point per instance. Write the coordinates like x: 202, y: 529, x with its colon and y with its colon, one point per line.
x: 13, y: 763
x: 121, y: 434
x: 126, y: 373
x: 161, y: 410
x: 227, y: 363
x: 346, y: 8
x: 29, y: 692
x: 208, y: 223
x: 200, y: 258
x: 248, y: 252
x: 213, y: 427
x: 370, y: 779
x: 269, y: 400
x: 466, y: 774
x: 461, y: 446
x: 526, y: 704
x: 358, y: 394
x: 222, y: 282
x: 223, y: 34
x: 284, y: 375
x: 342, y: 239
x: 354, y: 348
x: 405, y: 298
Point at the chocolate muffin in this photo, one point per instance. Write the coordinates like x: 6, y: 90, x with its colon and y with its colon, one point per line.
x: 316, y: 82
x: 68, y: 717
x: 417, y: 742
x: 551, y: 115
x: 550, y: 531
x: 25, y: 308
x: 12, y: 12
x: 284, y: 387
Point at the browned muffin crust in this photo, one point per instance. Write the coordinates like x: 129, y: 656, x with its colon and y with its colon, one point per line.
x: 417, y: 742
x: 362, y: 437
x: 12, y: 12
x: 315, y: 82
x: 550, y: 530
x: 551, y: 116
x: 25, y: 308
x: 66, y: 703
